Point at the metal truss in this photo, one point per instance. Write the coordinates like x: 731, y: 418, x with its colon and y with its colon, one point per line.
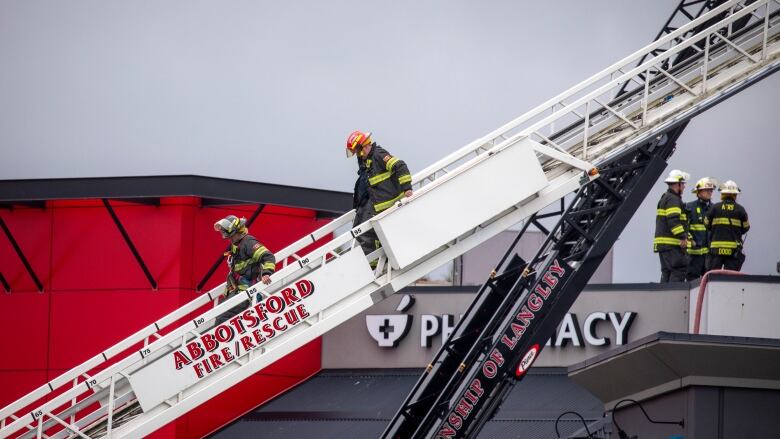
x: 600, y: 127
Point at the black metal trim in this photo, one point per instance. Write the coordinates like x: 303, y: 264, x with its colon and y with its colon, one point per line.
x: 19, y: 252
x: 221, y: 257
x: 6, y: 287
x: 26, y: 203
x: 207, y: 188
x: 130, y: 244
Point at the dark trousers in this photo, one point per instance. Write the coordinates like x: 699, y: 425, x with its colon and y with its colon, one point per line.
x: 368, y: 241
x: 696, y: 266
x: 674, y: 265
x: 232, y: 312
x: 734, y: 262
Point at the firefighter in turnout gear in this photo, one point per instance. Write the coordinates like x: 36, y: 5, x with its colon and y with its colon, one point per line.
x: 727, y: 222
x: 382, y: 180
x: 697, y: 213
x: 247, y: 259
x: 671, y: 229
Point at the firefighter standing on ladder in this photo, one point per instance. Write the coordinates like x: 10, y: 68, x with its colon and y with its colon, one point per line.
x: 248, y: 261
x: 697, y: 212
x: 382, y: 180
x: 727, y: 222
x: 671, y: 229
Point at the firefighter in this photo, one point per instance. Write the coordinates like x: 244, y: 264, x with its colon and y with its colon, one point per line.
x: 247, y: 259
x: 382, y: 180
x: 697, y: 212
x: 727, y: 222
x: 671, y: 229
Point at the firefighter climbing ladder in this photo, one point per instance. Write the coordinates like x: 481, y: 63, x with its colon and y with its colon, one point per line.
x: 182, y: 360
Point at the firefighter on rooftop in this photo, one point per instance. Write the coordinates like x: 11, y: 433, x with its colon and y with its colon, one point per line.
x: 382, y: 180
x: 697, y: 212
x: 671, y: 229
x: 247, y: 259
x: 728, y: 223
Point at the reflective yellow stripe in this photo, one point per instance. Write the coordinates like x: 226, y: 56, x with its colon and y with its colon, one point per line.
x: 373, y: 181
x: 721, y: 222
x: 698, y: 251
x: 668, y: 241
x: 269, y: 266
x: 724, y: 244
x: 736, y: 222
x: 378, y: 207
x: 745, y: 224
x: 240, y: 266
x: 406, y: 178
x: 677, y: 230
x: 390, y: 163
x: 684, y: 217
x: 669, y: 211
x: 698, y: 228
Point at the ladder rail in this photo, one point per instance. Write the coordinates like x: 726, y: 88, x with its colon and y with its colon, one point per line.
x: 418, y: 181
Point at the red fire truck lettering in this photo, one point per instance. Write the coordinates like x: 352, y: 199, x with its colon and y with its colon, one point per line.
x: 279, y: 325
x: 251, y: 319
x: 489, y: 369
x: 216, y: 363
x: 305, y: 288
x: 259, y: 339
x: 274, y: 304
x: 544, y: 292
x: 476, y: 387
x: 224, y: 333
x: 198, y: 370
x: 180, y: 359
x: 535, y: 302
x: 195, y: 350
x: 269, y: 331
x: 556, y: 268
x: 455, y: 421
x: 446, y: 432
x: 291, y: 316
x: 288, y: 294
x: 463, y: 408
x: 208, y: 342
x: 227, y: 355
x: 260, y: 310
x: 525, y: 316
x: 302, y: 311
x: 496, y: 356
x: 238, y: 324
x: 509, y: 342
x: 246, y: 343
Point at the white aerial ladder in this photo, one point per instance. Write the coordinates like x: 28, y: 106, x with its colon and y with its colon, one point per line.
x: 177, y: 363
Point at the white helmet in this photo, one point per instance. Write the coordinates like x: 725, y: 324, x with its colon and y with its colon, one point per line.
x: 677, y: 176
x: 730, y: 187
x: 705, y: 183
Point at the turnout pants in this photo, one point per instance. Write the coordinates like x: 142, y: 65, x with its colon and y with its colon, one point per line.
x: 696, y: 266
x: 734, y: 262
x: 674, y: 265
x: 232, y: 312
x: 368, y: 241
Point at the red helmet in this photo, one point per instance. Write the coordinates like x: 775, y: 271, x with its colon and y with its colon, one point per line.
x: 357, y: 138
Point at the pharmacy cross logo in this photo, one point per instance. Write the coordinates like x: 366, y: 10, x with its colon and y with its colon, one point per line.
x: 389, y: 329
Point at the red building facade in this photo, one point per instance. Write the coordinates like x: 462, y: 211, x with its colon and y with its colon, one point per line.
x: 95, y: 291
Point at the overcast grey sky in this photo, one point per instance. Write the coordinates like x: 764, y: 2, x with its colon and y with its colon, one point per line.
x: 268, y: 91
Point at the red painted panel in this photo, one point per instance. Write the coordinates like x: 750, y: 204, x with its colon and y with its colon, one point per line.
x: 87, y: 322
x: 18, y: 383
x: 31, y: 228
x: 24, y: 328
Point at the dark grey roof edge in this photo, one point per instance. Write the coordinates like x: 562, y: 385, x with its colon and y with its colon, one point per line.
x: 647, y: 286
x: 678, y: 337
x: 174, y: 185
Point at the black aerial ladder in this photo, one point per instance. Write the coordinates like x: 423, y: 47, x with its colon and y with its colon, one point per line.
x: 518, y: 309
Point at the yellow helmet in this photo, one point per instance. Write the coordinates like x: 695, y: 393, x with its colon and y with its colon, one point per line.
x: 705, y: 183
